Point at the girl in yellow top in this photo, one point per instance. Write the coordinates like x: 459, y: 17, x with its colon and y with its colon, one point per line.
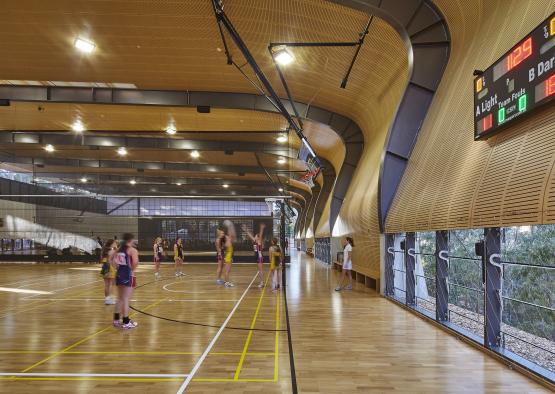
x: 107, y: 271
x: 178, y: 257
x: 275, y: 264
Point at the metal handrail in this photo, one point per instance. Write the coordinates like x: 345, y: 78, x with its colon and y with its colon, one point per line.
x: 466, y: 287
x: 530, y: 303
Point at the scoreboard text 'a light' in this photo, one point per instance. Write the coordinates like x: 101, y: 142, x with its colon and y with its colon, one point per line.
x: 518, y: 83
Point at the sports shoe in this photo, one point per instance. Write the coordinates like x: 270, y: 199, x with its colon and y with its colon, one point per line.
x: 157, y: 275
x: 261, y: 285
x: 349, y: 287
x: 220, y: 281
x: 116, y: 323
x: 229, y: 284
x: 338, y: 288
x: 177, y: 274
x: 181, y: 273
x: 130, y: 325
x: 109, y: 301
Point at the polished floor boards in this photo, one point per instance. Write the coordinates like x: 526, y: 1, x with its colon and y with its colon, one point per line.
x: 193, y: 336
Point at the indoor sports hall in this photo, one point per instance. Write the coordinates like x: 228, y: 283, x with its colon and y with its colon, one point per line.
x: 277, y: 196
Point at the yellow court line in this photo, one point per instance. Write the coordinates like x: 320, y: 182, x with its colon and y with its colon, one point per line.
x: 231, y: 380
x: 276, y: 348
x: 253, y: 322
x: 84, y: 340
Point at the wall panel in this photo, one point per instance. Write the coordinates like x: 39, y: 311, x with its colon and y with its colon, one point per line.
x: 453, y: 181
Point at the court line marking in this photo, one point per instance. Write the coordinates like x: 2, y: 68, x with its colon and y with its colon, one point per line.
x: 249, y: 336
x: 146, y: 300
x: 81, y: 341
x: 128, y: 380
x: 201, y: 359
x: 94, y: 375
x: 146, y: 353
x: 276, y: 348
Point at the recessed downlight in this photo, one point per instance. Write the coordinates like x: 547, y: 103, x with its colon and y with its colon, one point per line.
x: 171, y: 130
x: 84, y: 45
x: 122, y: 151
x: 84, y: 180
x: 78, y: 126
x: 282, y: 138
x: 225, y: 185
x: 282, y: 160
x: 133, y: 182
x: 49, y: 148
x: 195, y: 154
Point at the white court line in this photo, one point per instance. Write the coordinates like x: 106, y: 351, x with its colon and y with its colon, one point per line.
x: 95, y: 375
x: 146, y: 300
x: 66, y: 288
x: 213, y: 342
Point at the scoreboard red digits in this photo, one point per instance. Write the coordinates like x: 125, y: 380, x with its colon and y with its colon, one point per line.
x: 517, y: 84
x: 550, y: 86
x: 520, y: 53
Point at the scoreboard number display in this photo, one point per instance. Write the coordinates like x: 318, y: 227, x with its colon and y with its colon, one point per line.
x: 518, y: 83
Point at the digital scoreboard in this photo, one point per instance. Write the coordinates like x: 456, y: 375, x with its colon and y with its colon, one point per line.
x: 518, y: 83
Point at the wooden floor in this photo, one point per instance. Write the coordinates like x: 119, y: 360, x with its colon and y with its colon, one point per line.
x: 62, y: 341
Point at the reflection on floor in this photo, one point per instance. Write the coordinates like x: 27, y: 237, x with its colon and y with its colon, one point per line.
x: 58, y: 338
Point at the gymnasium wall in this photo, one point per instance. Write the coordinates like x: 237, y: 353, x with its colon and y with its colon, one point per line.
x: 453, y: 181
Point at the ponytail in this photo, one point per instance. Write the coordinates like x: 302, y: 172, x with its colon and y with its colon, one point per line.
x: 350, y: 240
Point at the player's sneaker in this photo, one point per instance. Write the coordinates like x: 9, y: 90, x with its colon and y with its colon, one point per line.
x: 109, y: 301
x: 229, y: 284
x: 130, y: 325
x: 116, y: 323
x: 261, y: 285
x: 349, y: 287
x: 220, y: 281
x: 157, y: 275
x: 338, y: 288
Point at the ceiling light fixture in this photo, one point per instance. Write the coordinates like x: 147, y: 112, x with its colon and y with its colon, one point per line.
x: 49, y: 148
x: 171, y: 130
x: 282, y: 138
x: 195, y: 154
x: 178, y: 184
x: 77, y: 126
x: 133, y: 182
x: 84, y: 180
x: 225, y: 185
x: 85, y: 46
x: 280, y: 189
x: 122, y: 151
x: 282, y: 56
x: 281, y: 160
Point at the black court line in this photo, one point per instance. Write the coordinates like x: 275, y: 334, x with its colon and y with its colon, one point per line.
x: 193, y: 323
x: 289, y: 339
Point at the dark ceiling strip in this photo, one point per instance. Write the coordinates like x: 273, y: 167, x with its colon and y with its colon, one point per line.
x: 340, y: 124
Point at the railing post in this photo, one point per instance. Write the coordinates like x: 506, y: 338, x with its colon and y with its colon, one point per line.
x: 442, y: 275
x: 389, y: 262
x: 492, y: 291
x: 410, y: 265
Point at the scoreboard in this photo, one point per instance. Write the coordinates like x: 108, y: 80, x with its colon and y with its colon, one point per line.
x: 518, y: 83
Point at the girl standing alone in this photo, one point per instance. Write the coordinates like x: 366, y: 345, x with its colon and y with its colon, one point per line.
x: 178, y: 257
x: 348, y: 244
x: 126, y: 261
x: 107, y: 271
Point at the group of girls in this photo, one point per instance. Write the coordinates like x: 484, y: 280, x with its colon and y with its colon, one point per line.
x: 119, y: 266
x: 159, y: 254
